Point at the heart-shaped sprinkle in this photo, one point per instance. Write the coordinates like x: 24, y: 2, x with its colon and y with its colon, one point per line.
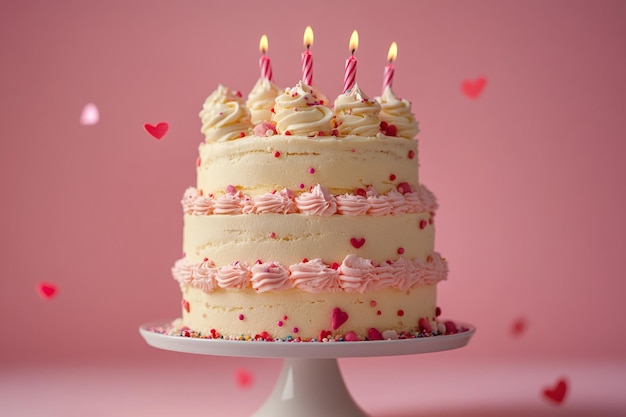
x: 351, y: 337
x: 338, y: 318
x: 157, y: 131
x: 424, y: 325
x: 450, y: 327
x: 90, y: 115
x: 243, y: 378
x: 374, y: 334
x: 46, y: 290
x: 473, y: 88
x: 556, y: 393
x: 324, y: 334
x: 185, y: 305
x: 357, y: 243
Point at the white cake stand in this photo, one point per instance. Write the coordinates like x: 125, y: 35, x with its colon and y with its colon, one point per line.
x: 310, y: 376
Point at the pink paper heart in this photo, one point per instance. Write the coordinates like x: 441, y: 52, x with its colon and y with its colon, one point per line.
x: 473, y: 88
x: 46, y: 290
x: 556, y: 393
x: 90, y: 115
x: 519, y: 326
x: 338, y: 318
x: 157, y: 131
x: 357, y: 243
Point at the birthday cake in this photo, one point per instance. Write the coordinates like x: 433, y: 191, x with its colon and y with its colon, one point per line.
x: 308, y: 221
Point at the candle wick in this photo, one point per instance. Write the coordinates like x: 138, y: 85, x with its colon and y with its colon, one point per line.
x: 353, y: 51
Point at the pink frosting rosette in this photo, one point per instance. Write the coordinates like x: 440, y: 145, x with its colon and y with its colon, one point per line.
x: 356, y: 274
x: 409, y: 273
x: 236, y: 276
x: 204, y: 276
x: 414, y: 203
x: 182, y: 271
x: 352, y: 205
x: 388, y: 274
x: 317, y: 202
x: 229, y: 203
x: 314, y: 277
x: 398, y: 202
x: 379, y: 205
x: 202, y: 205
x: 275, y: 202
x: 247, y: 205
x: 270, y: 277
x: 428, y: 199
x: 189, y: 197
x: 435, y: 269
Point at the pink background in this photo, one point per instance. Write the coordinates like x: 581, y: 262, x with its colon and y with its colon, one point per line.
x: 530, y: 176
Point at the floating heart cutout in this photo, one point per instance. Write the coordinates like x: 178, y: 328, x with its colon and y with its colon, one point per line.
x: 357, y: 243
x: 243, y: 378
x: 157, y: 131
x: 339, y: 317
x: 473, y: 88
x: 90, y: 115
x: 519, y: 326
x: 46, y: 290
x: 556, y: 393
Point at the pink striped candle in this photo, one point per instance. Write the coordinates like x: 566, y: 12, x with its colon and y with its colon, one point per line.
x: 307, y: 57
x: 264, y: 62
x: 349, y: 77
x: 389, y: 69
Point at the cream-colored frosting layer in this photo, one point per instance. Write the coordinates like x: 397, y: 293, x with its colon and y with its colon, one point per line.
x: 257, y: 165
x: 356, y: 114
x: 261, y: 100
x: 224, y: 116
x: 299, y: 112
x: 294, y: 313
x: 397, y: 112
x: 227, y: 239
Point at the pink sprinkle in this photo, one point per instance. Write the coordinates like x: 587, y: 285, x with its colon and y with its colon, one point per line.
x: 301, y: 185
x: 231, y: 189
x: 378, y: 313
x: 411, y: 154
x: 334, y: 266
x: 311, y: 170
x: 276, y: 154
x: 241, y: 317
x: 437, y: 311
x: 242, y: 134
x: 352, y: 337
x: 392, y: 177
x: 423, y: 224
x: 373, y: 303
x: 279, y: 324
x: 295, y: 330
x: 198, y: 162
x: 400, y: 251
x: 400, y: 313
x: 284, y: 317
x: 272, y: 235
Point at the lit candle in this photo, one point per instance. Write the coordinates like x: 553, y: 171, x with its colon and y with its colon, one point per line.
x: 307, y: 57
x: 264, y: 62
x: 389, y: 69
x: 349, y: 77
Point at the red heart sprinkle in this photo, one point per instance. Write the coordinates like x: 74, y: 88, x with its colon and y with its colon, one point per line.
x: 243, y: 378
x: 324, y: 334
x: 374, y: 334
x: 185, y: 304
x: 46, y: 290
x: 338, y: 318
x: 473, y: 88
x: 391, y: 131
x: 424, y: 325
x: 357, y: 243
x: 556, y: 393
x: 351, y: 337
x: 157, y: 131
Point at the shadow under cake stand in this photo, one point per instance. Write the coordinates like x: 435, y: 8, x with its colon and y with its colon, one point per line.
x: 310, y: 375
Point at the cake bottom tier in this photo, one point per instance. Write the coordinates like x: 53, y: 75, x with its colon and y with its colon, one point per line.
x: 293, y: 314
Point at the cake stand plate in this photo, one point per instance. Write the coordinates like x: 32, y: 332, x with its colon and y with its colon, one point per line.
x: 310, y: 382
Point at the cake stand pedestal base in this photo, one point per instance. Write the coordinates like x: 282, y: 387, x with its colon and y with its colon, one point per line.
x: 310, y: 388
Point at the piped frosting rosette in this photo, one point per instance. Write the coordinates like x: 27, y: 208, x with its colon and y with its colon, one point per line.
x: 224, y: 116
x: 298, y: 112
x: 356, y: 114
x: 261, y: 100
x: 397, y: 113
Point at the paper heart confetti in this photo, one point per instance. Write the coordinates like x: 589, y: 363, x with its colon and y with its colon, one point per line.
x: 518, y: 327
x: 338, y: 318
x: 157, y: 131
x: 90, y: 115
x: 556, y: 394
x: 473, y: 88
x: 357, y: 243
x: 46, y: 290
x: 243, y: 378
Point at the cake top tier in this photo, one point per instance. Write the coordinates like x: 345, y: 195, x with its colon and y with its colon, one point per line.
x: 304, y: 111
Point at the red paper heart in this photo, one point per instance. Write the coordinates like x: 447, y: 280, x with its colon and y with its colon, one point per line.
x: 473, y: 88
x: 338, y: 318
x: 556, y: 393
x: 519, y: 326
x: 157, y: 131
x: 357, y: 243
x: 243, y: 378
x: 46, y: 290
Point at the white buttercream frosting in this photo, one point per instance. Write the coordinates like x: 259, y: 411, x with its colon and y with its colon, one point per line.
x: 261, y: 100
x: 397, y: 112
x: 298, y: 112
x: 356, y: 114
x: 224, y: 116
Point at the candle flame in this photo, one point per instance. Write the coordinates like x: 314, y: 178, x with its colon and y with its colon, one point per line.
x: 393, y: 52
x: 354, y: 41
x: 263, y: 44
x: 308, y: 36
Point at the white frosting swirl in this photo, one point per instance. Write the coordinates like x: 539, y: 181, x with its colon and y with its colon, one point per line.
x: 397, y: 112
x: 314, y: 277
x: 356, y: 114
x: 299, y: 112
x: 261, y: 100
x: 224, y: 116
x: 270, y: 277
x: 318, y: 202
